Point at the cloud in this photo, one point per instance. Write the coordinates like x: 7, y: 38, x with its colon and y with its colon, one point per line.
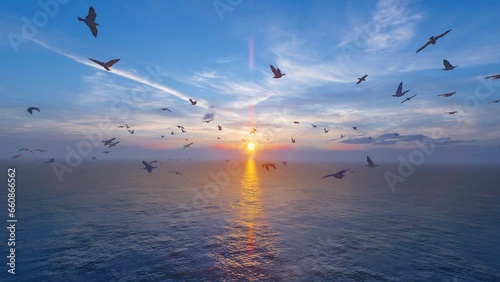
x: 392, y: 138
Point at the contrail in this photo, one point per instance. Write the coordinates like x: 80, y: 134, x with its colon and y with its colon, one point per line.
x: 118, y: 72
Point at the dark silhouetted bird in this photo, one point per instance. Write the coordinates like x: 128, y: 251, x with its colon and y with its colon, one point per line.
x: 277, y: 72
x: 496, y: 76
x: 31, y: 109
x: 326, y: 130
x: 338, y: 175
x: 432, y: 40
x: 148, y: 167
x: 399, y: 91
x: 268, y: 165
x: 107, y: 142
x: 370, y: 162
x: 106, y: 66
x: 408, y: 98
x: 363, y: 78
x: 447, y: 65
x: 165, y: 109
x: 193, y: 102
x: 50, y: 161
x: 90, y: 21
x: 447, y: 94
x: 451, y: 113
x: 293, y: 140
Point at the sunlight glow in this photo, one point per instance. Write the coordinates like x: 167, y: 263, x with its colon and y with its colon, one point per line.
x: 251, y: 146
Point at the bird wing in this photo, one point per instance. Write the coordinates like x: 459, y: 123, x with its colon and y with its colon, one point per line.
x: 447, y: 64
x: 370, y: 162
x: 279, y: 71
x: 329, y: 175
x: 112, y: 62
x: 405, y: 100
x: 30, y: 110
x: 92, y: 15
x: 423, y: 47
x: 272, y: 165
x: 443, y: 34
x: 93, y: 29
x: 342, y: 171
x: 98, y: 62
x: 400, y: 88
x: 273, y: 69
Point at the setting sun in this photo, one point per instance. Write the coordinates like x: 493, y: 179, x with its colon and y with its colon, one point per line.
x: 251, y: 146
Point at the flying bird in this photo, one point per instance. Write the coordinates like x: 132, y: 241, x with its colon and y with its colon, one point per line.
x: 107, y: 142
x: 131, y: 131
x: 219, y: 127
x: 180, y: 126
x: 106, y: 152
x: 432, y: 40
x: 50, y: 161
x: 106, y: 66
x: 90, y: 21
x: 338, y: 175
x: 277, y: 72
x: 176, y: 172
x: 16, y: 156
x: 494, y: 102
x: 172, y: 133
x: 31, y: 109
x: 293, y: 140
x: 41, y: 150
x: 284, y: 163
x: 165, y: 109
x: 342, y: 135
x: 370, y: 162
x: 193, y: 102
x: 361, y: 79
x: 399, y: 91
x: 268, y: 165
x: 128, y: 126
x: 396, y: 134
x: 447, y: 94
x: 355, y: 127
x: 447, y: 65
x: 326, y: 130
x: 253, y: 130
x: 313, y: 125
x: 296, y: 122
x: 451, y: 113
x: 207, y: 121
x: 148, y: 167
x: 496, y: 76
x: 408, y: 98
x: 113, y: 144
x: 187, y: 145
x: 25, y: 149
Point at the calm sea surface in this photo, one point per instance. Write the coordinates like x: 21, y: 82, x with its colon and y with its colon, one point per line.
x: 113, y: 221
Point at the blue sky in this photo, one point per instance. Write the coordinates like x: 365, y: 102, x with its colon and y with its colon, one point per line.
x: 219, y: 52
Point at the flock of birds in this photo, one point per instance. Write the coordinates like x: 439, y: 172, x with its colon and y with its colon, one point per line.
x: 89, y: 20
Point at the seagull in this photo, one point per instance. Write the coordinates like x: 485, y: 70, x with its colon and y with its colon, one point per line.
x: 163, y: 136
x: 180, y: 126
x: 399, y: 91
x: 396, y: 134
x: 187, y: 145
x: 447, y: 65
x: 90, y: 21
x: 326, y: 130
x: 494, y: 102
x: 148, y: 167
x: 25, y: 149
x: 277, y: 72
x: 106, y: 152
x: 219, y: 127
x: 451, y: 113
x: 268, y: 165
x: 106, y: 66
x: 121, y: 126
x: 113, y: 144
x: 131, y: 131
x: 107, y: 142
x: 342, y: 135
x: 31, y: 109
x: 165, y: 109
x: 154, y: 162
x: 172, y: 133
x: 183, y: 130
x: 193, y: 102
x: 447, y: 94
x: 432, y: 40
x: 363, y: 78
x: 296, y: 122
x: 355, y: 127
x: 370, y: 162
x: 293, y: 140
x: 176, y: 172
x: 338, y: 175
x: 41, y: 150
x: 207, y: 121
x: 496, y: 76
x: 313, y: 125
x: 284, y: 163
x: 128, y: 126
x: 50, y: 161
x: 16, y: 156
x: 408, y: 98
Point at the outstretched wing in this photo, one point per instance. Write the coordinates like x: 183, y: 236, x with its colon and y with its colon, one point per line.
x: 112, y: 62
x: 94, y: 30
x: 92, y: 15
x: 273, y: 69
x: 98, y: 62
x: 447, y: 64
x: 329, y: 175
x: 343, y: 171
x: 370, y: 162
x: 423, y: 47
x: 443, y: 34
x: 399, y: 91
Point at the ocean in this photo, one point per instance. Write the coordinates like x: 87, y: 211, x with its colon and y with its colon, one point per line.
x: 236, y: 221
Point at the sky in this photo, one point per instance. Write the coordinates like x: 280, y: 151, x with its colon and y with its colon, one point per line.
x: 219, y: 53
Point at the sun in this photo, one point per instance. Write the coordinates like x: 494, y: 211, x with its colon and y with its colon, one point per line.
x: 251, y: 146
